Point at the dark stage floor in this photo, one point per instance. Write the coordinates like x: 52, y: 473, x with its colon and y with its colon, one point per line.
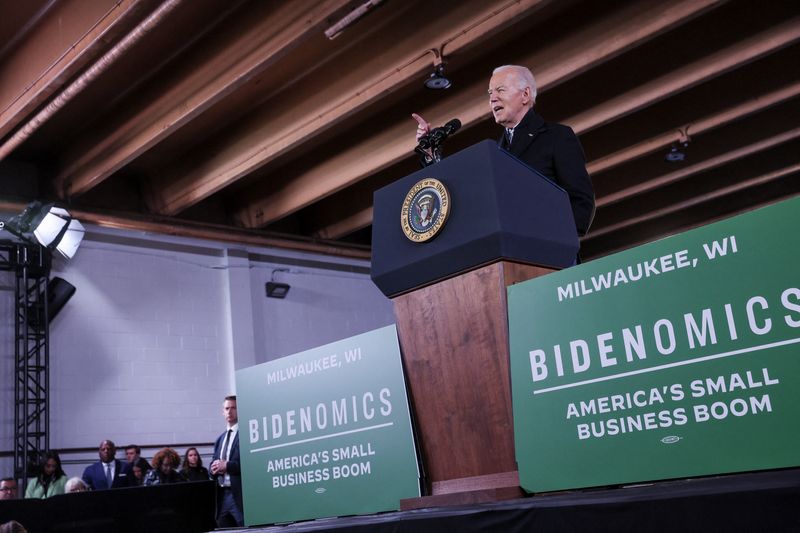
x: 753, y: 502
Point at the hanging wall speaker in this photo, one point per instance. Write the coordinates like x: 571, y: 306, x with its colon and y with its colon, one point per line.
x: 59, y: 291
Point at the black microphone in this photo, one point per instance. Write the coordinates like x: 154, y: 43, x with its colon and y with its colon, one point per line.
x: 438, y: 135
x: 435, y: 137
x: 425, y: 141
x: 452, y: 126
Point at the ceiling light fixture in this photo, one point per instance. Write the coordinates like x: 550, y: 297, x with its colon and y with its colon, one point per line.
x: 677, y: 152
x: 437, y: 80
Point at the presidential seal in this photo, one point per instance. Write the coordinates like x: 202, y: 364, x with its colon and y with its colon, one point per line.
x: 425, y: 210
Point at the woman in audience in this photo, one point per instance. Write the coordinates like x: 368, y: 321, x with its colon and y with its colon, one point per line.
x: 51, y: 478
x: 75, y: 484
x: 165, y: 463
x: 140, y: 468
x: 193, y: 468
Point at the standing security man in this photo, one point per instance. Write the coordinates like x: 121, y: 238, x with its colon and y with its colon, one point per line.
x: 226, y: 470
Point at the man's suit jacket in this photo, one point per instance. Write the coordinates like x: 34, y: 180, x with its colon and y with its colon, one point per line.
x: 95, y: 476
x: 555, y: 151
x: 234, y: 469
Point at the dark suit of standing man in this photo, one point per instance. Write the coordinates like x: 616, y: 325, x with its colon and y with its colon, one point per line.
x: 552, y: 149
x: 226, y: 470
x: 96, y: 475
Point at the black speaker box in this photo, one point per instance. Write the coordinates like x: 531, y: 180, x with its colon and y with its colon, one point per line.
x: 59, y: 291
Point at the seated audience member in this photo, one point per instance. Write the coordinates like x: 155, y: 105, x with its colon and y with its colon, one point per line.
x: 193, y: 468
x: 75, y: 484
x: 51, y: 478
x: 8, y: 488
x: 165, y: 464
x: 12, y: 527
x: 108, y: 473
x: 140, y: 469
x: 133, y: 453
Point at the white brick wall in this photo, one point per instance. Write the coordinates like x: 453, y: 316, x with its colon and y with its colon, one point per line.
x: 147, y: 347
x: 322, y: 306
x: 140, y: 353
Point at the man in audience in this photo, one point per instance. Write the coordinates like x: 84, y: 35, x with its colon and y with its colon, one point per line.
x: 134, y: 452
x: 108, y: 473
x: 8, y: 488
x: 225, y: 469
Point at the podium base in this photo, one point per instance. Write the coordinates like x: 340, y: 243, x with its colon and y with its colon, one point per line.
x: 468, y: 491
x: 462, y: 498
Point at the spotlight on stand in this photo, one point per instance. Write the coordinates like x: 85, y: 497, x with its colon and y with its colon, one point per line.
x: 276, y: 289
x: 49, y: 226
x: 437, y: 80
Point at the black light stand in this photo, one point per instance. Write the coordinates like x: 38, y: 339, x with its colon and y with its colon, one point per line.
x: 31, y: 267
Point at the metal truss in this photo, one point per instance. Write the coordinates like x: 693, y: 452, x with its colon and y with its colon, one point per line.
x: 31, y: 265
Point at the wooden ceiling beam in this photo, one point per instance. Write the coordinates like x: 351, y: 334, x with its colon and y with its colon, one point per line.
x: 586, y: 49
x: 659, y: 142
x: 694, y: 201
x: 213, y: 232
x: 713, y: 162
x: 346, y: 225
x: 227, y: 70
x: 626, y: 243
x: 263, y: 141
x: 712, y: 66
x: 28, y: 85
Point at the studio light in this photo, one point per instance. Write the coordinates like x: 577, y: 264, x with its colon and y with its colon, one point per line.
x: 72, y: 238
x: 49, y: 226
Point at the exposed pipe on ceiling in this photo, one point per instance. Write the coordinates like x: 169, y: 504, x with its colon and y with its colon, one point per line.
x: 91, y: 74
x: 349, y: 19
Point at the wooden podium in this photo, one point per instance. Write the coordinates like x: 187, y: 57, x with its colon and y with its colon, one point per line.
x: 454, y: 339
x: 507, y: 224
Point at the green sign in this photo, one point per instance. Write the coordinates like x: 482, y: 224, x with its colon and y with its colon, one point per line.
x: 327, y: 432
x: 675, y: 359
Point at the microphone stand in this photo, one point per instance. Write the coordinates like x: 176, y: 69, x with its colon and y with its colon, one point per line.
x: 437, y: 153
x: 429, y: 150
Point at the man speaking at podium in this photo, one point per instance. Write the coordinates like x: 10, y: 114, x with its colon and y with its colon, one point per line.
x: 552, y: 149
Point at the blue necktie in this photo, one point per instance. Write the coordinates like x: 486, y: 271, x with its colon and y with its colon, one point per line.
x: 109, y: 479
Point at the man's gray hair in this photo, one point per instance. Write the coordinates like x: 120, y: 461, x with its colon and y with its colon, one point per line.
x: 524, y: 78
